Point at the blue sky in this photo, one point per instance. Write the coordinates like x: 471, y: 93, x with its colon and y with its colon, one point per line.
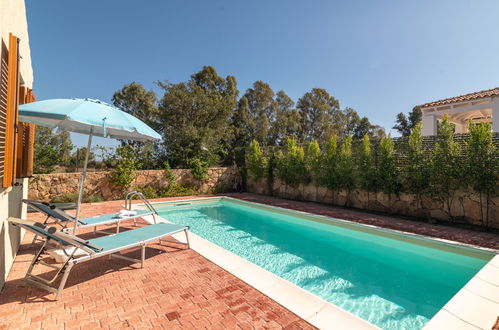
x: 379, y: 57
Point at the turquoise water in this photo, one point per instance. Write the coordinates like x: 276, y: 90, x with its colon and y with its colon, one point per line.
x: 391, y: 283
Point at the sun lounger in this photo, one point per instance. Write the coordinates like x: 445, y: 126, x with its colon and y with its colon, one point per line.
x: 64, y: 219
x: 77, y: 250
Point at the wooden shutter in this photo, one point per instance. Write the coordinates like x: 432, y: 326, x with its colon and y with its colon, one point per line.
x: 4, y: 72
x: 25, y: 139
x: 11, y: 115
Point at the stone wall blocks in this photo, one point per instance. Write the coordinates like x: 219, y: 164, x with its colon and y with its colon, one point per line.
x: 465, y: 205
x: 47, y: 186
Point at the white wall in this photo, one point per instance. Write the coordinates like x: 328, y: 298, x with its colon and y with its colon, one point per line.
x: 10, y: 236
x: 13, y: 19
x: 429, y: 125
x: 495, y: 114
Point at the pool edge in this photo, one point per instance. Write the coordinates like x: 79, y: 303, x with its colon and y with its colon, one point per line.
x: 455, y: 312
x: 315, y: 310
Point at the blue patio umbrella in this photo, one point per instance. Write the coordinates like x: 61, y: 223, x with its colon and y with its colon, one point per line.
x: 87, y: 116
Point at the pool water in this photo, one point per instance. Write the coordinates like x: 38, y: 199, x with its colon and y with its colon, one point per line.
x: 391, y: 283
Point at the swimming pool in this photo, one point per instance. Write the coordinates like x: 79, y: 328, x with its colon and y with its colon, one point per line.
x: 391, y: 280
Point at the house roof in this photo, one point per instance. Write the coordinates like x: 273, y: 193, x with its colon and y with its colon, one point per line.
x: 463, y: 98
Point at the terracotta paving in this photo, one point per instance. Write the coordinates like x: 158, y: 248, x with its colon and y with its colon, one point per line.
x: 177, y: 288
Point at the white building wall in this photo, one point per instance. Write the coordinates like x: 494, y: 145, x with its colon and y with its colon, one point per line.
x: 429, y: 125
x: 495, y: 114
x: 13, y: 20
x: 461, y: 128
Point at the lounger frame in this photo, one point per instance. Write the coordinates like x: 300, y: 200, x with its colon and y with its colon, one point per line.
x: 64, y: 270
x: 69, y: 219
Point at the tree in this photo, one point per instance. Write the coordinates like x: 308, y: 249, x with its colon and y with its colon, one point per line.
x: 331, y: 166
x: 287, y: 122
x: 290, y: 166
x: 387, y: 171
x: 135, y: 100
x: 262, y: 111
x: 415, y: 116
x: 194, y: 118
x: 352, y: 121
x: 404, y: 125
x: 362, y: 127
x: 416, y: 171
x: 242, y: 124
x: 127, y: 164
x: 51, y: 149
x: 366, y: 168
x: 346, y: 168
x: 256, y: 163
x: 77, y: 159
x: 313, y: 162
x: 106, y: 157
x: 482, y: 158
x: 446, y: 167
x: 318, y: 111
x: 377, y: 131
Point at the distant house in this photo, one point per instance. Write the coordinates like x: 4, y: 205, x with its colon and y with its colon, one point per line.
x: 480, y: 106
x: 16, y: 139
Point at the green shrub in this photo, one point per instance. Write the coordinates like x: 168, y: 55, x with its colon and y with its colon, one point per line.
x: 346, y: 167
x: 387, y: 170
x: 330, y: 164
x: 366, y: 169
x: 126, y: 166
x: 446, y: 166
x: 73, y: 198
x: 256, y: 163
x: 199, y: 168
x: 92, y: 199
x: 183, y: 190
x: 313, y: 162
x: 482, y: 160
x: 291, y: 164
x: 65, y: 198
x: 174, y: 190
x: 149, y: 192
x: 416, y: 172
x: 169, y: 176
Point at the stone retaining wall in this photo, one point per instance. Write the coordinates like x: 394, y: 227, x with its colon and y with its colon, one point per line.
x: 47, y: 186
x: 465, y: 207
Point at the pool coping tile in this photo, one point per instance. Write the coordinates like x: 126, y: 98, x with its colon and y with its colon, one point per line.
x: 445, y: 320
x: 473, y: 309
x: 482, y: 289
x: 315, y: 310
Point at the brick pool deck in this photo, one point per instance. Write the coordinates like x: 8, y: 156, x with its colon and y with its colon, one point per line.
x: 176, y: 288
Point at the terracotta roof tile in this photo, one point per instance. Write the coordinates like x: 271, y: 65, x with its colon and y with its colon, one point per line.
x: 463, y: 98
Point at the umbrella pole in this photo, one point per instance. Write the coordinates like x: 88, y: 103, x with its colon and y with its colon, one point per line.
x: 82, y: 181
